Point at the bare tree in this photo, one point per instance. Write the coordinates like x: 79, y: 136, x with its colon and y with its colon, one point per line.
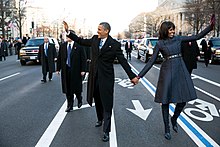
x: 5, y: 15
x: 199, y: 11
x: 20, y: 15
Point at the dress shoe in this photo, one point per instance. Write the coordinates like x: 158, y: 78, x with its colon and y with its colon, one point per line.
x: 79, y: 103
x: 167, y: 136
x: 98, y: 124
x: 43, y: 81
x: 50, y: 79
x: 105, y: 137
x: 174, y: 124
x: 68, y: 109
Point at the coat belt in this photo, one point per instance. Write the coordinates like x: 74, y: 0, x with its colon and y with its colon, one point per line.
x: 174, y: 56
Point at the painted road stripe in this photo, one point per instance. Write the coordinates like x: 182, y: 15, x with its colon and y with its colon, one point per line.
x: 54, y: 126
x: 195, y: 133
x: 206, y: 80
x: 113, y: 137
x: 9, y: 76
x: 209, y: 94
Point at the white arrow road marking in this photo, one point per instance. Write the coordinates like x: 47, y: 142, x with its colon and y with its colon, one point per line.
x: 139, y: 110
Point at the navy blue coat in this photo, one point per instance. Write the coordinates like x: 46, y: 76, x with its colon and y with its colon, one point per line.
x: 175, y: 84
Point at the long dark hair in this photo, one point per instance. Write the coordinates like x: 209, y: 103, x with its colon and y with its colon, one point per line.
x: 164, y: 27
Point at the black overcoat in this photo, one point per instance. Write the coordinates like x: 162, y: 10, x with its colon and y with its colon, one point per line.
x: 190, y: 52
x: 175, y: 84
x: 78, y: 65
x: 52, y: 54
x: 102, y: 62
x: 128, y: 50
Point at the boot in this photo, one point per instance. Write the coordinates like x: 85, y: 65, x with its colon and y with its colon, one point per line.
x: 165, y: 113
x: 178, y: 110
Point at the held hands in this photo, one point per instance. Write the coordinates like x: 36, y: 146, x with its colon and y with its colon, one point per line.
x: 66, y: 27
x: 212, y: 21
x: 135, y: 80
x: 83, y: 73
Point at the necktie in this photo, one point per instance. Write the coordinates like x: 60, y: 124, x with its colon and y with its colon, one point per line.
x: 68, y: 55
x: 46, y: 49
x: 128, y: 44
x: 100, y: 44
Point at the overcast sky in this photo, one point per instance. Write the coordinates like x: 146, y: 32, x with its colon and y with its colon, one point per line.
x: 118, y: 13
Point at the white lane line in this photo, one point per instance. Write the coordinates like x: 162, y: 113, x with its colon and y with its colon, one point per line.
x: 54, y: 126
x: 206, y: 80
x: 113, y: 138
x: 209, y: 94
x: 10, y: 76
x: 51, y: 131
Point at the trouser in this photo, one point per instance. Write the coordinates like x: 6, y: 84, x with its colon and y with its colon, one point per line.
x: 101, y: 111
x: 206, y: 62
x: 129, y: 55
x: 165, y: 113
x: 47, y: 69
x: 70, y: 94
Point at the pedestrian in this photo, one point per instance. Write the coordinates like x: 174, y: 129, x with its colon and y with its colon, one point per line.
x: 207, y: 52
x: 191, y: 54
x: 104, y: 49
x: 47, y: 55
x: 71, y: 61
x: 175, y: 84
x: 128, y: 48
x: 3, y: 48
x: 18, y: 46
x: 25, y: 39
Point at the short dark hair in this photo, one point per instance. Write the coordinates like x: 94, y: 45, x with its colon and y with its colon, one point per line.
x: 106, y: 26
x: 164, y: 27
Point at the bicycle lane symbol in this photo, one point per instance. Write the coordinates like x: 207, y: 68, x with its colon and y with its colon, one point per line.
x: 202, y: 107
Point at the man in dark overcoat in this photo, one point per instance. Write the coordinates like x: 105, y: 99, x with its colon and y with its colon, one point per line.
x: 73, y: 72
x: 47, y: 55
x: 207, y: 51
x: 3, y: 47
x: 104, y: 49
x: 128, y: 48
x: 190, y: 53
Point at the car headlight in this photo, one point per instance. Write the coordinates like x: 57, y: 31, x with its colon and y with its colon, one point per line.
x: 213, y: 49
x: 150, y: 51
x: 22, y: 52
x: 217, y: 52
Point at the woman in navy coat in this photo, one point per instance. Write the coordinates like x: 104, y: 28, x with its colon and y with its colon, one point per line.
x: 175, y: 84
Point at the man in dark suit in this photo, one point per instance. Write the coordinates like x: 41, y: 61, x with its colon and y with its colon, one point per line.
x: 207, y: 51
x: 47, y: 56
x: 71, y: 61
x: 3, y: 48
x: 191, y: 53
x: 104, y: 49
x: 128, y: 48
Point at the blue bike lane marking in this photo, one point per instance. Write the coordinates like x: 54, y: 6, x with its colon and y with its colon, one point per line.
x: 202, y: 139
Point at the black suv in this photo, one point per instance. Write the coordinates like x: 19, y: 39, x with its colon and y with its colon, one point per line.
x: 30, y: 51
x: 215, y: 47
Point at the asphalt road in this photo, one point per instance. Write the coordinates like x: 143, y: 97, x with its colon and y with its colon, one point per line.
x: 32, y: 114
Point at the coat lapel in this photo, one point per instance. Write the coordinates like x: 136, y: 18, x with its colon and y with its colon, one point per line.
x: 105, y: 47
